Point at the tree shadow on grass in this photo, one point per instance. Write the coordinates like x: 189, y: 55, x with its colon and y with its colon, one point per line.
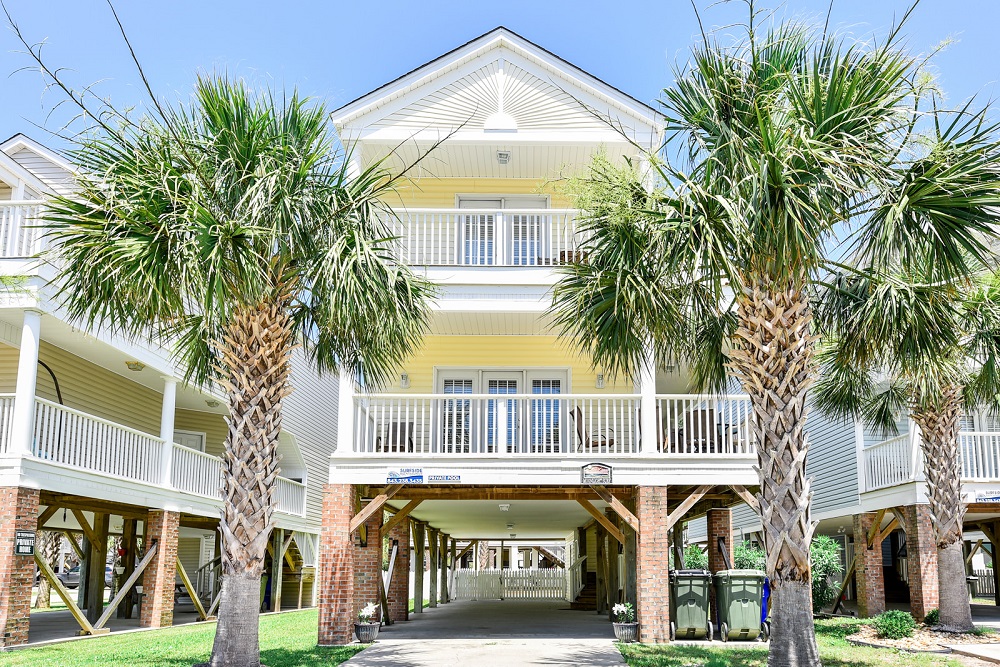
x: 313, y: 656
x: 638, y: 655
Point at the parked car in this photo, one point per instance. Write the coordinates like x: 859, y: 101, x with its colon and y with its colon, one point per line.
x: 71, y: 578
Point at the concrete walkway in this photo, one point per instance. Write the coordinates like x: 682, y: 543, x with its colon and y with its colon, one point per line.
x: 490, y: 633
x: 46, y: 626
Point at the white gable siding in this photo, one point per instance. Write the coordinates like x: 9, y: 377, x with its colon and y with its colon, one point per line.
x: 51, y: 174
x: 310, y: 413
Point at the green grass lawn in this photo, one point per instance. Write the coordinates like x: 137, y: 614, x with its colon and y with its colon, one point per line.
x: 834, y: 651
x: 425, y: 605
x: 286, y: 640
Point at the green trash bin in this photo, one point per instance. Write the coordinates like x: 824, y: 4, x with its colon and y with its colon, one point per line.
x: 738, y: 599
x: 689, y: 604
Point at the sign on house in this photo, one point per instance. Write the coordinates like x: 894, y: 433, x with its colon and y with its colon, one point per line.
x: 405, y: 476
x: 596, y: 473
x: 24, y: 543
x: 988, y: 496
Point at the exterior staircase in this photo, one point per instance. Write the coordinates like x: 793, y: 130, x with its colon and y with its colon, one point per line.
x: 587, y: 599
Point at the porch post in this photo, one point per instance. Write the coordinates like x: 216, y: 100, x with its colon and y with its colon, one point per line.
x: 921, y: 559
x: 18, y: 511
x: 443, y: 554
x: 22, y: 426
x: 434, y: 567
x: 868, y: 575
x: 167, y: 410
x: 418, y: 567
x: 157, y: 609
x: 345, y: 414
x: 653, y: 593
x: 647, y: 404
x: 335, y: 570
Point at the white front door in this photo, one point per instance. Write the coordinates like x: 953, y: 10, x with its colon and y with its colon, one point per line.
x: 502, y: 415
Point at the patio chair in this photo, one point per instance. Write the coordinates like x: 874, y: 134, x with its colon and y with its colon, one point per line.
x: 587, y: 442
x: 399, y: 438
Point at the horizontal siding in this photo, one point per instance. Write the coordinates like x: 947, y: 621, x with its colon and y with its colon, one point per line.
x: 430, y: 192
x: 697, y: 529
x: 310, y: 414
x: 52, y: 175
x: 211, y: 424
x: 189, y: 553
x: 88, y: 387
x: 514, y: 352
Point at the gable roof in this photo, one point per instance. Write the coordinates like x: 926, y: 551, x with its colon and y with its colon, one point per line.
x: 533, y: 73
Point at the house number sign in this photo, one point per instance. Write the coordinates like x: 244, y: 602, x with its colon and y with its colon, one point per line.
x: 24, y: 543
x: 596, y: 473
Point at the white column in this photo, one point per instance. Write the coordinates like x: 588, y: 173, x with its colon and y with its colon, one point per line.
x: 646, y: 387
x: 345, y: 414
x: 22, y: 426
x: 859, y: 449
x: 167, y: 410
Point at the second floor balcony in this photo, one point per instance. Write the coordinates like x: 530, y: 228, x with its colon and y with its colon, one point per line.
x: 486, y: 237
x: 899, y: 460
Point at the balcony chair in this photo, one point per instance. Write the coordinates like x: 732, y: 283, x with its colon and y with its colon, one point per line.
x: 399, y: 436
x: 586, y: 442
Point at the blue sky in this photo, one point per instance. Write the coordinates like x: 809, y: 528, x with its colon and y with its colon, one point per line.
x: 340, y: 50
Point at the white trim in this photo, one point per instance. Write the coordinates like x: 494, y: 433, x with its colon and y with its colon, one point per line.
x: 23, y: 140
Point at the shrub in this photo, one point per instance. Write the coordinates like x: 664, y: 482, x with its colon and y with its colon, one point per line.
x: 824, y: 553
x: 894, y: 624
x: 748, y: 556
x: 933, y: 617
x: 695, y: 558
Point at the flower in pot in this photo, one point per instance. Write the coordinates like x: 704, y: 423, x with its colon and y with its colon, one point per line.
x: 626, y: 627
x: 366, y: 629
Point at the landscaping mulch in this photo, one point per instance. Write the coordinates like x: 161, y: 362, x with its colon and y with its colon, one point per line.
x: 924, y: 639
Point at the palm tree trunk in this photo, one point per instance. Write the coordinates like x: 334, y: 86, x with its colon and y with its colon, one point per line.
x: 255, y: 357
x: 939, y: 425
x: 772, y: 357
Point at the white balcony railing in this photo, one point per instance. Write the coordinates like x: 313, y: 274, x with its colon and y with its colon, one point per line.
x: 540, y: 424
x: 486, y: 237
x: 18, y: 235
x: 70, y: 437
x: 899, y: 460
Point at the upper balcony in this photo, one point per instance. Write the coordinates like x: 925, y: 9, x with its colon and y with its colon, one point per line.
x: 486, y: 238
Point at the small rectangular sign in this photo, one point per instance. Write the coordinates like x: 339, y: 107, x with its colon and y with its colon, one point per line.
x: 24, y: 543
x: 405, y: 476
x: 988, y: 496
x: 444, y: 478
x: 595, y: 473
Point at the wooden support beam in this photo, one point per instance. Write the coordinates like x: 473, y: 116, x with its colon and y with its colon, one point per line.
x: 374, y: 506
x: 96, y: 561
x: 631, y: 519
x: 973, y: 551
x: 603, y: 520
x: 888, y: 529
x: 88, y: 532
x: 70, y: 502
x: 399, y: 516
x: 44, y: 517
x: 875, y: 529
x: 86, y: 628
x: 746, y: 497
x: 71, y: 538
x: 848, y: 576
x: 687, y: 504
x: 418, y: 567
x: 215, y: 604
x: 192, y: 593
x: 130, y: 546
x: 434, y: 566
x: 466, y: 550
x: 127, y: 586
x: 415, y: 491
x: 285, y: 552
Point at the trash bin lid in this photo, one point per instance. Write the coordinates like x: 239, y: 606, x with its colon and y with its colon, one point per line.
x: 750, y: 574
x: 690, y: 574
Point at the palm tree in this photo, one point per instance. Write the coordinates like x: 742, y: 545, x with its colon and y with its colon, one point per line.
x: 232, y: 230
x: 788, y: 139
x: 910, y: 340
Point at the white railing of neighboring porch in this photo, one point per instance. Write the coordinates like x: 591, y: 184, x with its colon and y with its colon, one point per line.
x: 74, y: 438
x: 534, y: 584
x: 575, y: 576
x: 18, y: 236
x: 980, y: 454
x: 890, y: 462
x: 486, y: 237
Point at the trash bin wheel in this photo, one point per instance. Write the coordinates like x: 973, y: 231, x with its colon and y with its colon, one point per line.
x: 724, y: 632
x: 710, y: 633
x: 673, y: 631
x: 765, y: 631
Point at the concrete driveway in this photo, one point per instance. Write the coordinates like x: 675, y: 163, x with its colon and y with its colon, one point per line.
x: 484, y: 633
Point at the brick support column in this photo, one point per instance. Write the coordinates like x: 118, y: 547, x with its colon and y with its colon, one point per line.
x: 335, y: 575
x: 158, y: 578
x: 18, y: 511
x: 921, y: 560
x: 368, y: 565
x: 720, y: 524
x: 868, y: 569
x: 652, y: 583
x: 399, y: 587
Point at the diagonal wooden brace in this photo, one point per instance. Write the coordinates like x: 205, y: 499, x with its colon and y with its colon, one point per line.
x: 374, y: 506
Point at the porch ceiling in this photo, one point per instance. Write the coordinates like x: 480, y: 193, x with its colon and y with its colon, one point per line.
x: 483, y: 519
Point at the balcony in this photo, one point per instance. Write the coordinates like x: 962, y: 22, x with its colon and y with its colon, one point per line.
x: 486, y: 237
x: 548, y: 425
x: 18, y: 237
x: 74, y: 439
x: 899, y: 460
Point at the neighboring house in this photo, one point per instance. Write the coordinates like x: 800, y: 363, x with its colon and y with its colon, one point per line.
x: 861, y: 478
x: 480, y: 444
x: 100, y: 437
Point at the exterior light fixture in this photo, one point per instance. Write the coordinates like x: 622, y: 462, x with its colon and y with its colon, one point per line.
x: 404, y: 380
x: 505, y: 507
x: 212, y: 403
x: 503, y: 157
x: 513, y: 534
x: 510, y: 526
x: 600, y: 381
x: 135, y: 365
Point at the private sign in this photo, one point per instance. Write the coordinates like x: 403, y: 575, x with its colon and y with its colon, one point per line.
x: 24, y: 543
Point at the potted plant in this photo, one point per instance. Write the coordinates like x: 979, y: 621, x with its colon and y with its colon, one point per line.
x: 626, y: 627
x: 366, y: 629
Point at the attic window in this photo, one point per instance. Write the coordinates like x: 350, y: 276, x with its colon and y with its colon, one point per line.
x: 503, y: 157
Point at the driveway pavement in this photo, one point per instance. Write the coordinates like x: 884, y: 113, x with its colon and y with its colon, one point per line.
x: 487, y: 633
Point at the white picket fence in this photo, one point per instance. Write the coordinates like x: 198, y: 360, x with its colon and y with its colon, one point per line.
x: 547, y: 584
